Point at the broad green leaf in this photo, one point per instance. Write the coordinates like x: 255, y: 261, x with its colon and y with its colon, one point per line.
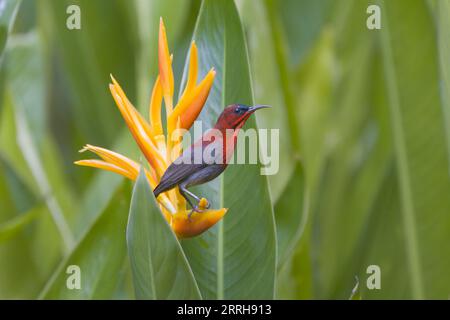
x: 269, y: 88
x: 346, y: 145
x: 443, y: 18
x: 236, y: 259
x: 314, y: 81
x: 291, y: 217
x: 17, y: 202
x: 302, y: 22
x: 384, y: 216
x: 160, y: 268
x: 291, y: 214
x: 8, y: 11
x: 104, y: 45
x: 419, y: 140
x: 358, y: 157
x: 15, y: 195
x: 28, y: 255
x: 10, y: 150
x: 10, y: 228
x: 30, y: 244
x: 26, y: 89
x: 99, y: 255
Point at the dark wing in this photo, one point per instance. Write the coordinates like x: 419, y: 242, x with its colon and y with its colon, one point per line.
x: 174, y: 174
x: 179, y: 170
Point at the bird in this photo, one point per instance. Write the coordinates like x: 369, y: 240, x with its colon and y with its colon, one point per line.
x: 208, y: 157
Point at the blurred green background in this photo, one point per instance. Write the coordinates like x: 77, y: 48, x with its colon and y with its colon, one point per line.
x: 364, y: 125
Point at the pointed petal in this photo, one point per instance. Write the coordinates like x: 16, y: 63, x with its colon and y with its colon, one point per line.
x: 115, y: 158
x: 165, y: 66
x: 124, y: 166
x: 193, y: 68
x: 190, y: 107
x: 155, y: 109
x: 198, y: 223
x: 138, y: 128
x: 100, y: 164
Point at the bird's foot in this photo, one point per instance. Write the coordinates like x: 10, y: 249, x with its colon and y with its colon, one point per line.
x: 202, y: 206
x: 195, y: 209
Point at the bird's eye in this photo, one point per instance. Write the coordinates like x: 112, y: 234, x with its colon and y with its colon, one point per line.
x: 240, y: 110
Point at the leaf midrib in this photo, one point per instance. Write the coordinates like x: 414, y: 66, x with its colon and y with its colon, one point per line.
x: 220, y: 236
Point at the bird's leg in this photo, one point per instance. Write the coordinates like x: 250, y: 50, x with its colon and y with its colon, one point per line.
x: 185, y: 192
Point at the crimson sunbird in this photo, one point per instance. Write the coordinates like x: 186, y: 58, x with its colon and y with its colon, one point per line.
x: 208, y: 157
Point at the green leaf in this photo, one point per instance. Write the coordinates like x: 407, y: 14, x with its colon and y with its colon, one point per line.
x: 236, y: 259
x: 268, y: 88
x: 11, y: 227
x: 443, y: 19
x: 99, y: 255
x: 8, y: 12
x: 302, y: 22
x: 375, y: 213
x: 160, y: 269
x: 148, y: 14
x: 26, y: 89
x: 419, y: 140
x: 31, y: 244
x: 104, y: 45
x: 15, y: 195
x: 291, y: 214
x: 347, y: 151
x: 315, y: 80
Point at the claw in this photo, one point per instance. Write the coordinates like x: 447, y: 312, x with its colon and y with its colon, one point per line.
x: 195, y: 209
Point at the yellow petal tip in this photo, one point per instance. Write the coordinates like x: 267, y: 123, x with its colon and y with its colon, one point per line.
x: 187, y: 227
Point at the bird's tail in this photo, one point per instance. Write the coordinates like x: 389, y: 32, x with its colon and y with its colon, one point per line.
x: 157, y: 190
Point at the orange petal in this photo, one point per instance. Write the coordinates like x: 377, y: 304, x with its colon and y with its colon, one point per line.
x: 124, y: 166
x: 199, y: 222
x: 115, y: 159
x: 165, y: 66
x: 173, y: 151
x: 139, y: 129
x: 190, y: 107
x: 134, y: 114
x: 105, y: 166
x: 155, y: 109
x: 181, y: 201
x: 203, y: 204
x: 193, y: 70
x: 178, y: 139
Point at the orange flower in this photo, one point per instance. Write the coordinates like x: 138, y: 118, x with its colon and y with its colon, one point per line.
x: 158, y: 148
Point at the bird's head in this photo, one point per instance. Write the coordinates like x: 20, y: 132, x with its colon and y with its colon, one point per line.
x: 234, y: 116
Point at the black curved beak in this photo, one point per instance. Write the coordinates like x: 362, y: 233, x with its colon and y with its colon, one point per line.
x: 257, y: 107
